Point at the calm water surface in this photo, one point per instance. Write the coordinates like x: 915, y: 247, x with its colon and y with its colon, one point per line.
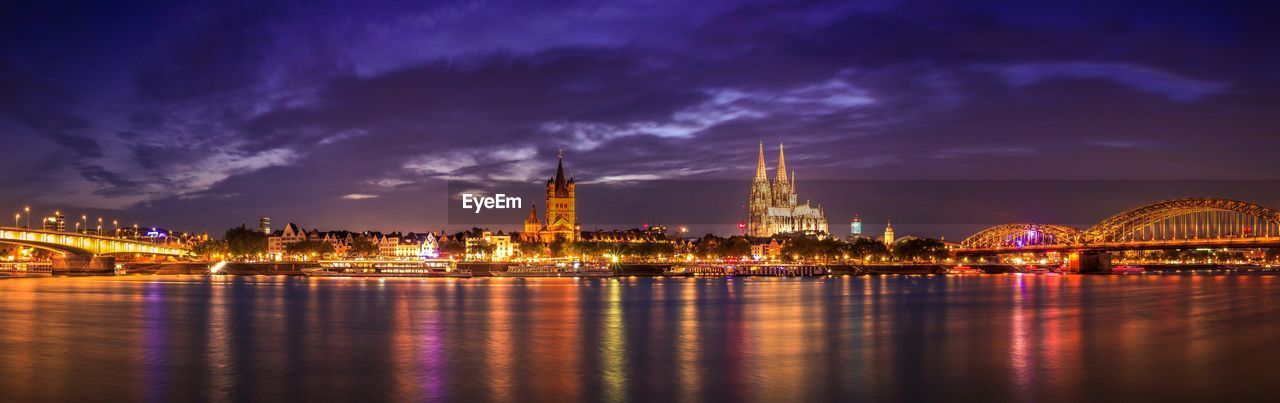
x: 988, y: 338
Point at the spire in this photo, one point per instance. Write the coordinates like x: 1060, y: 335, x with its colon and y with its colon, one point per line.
x: 533, y: 215
x: 782, y: 165
x: 760, y: 169
x: 793, y: 181
x: 560, y: 170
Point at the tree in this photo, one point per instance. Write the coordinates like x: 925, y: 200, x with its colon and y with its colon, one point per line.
x: 530, y: 249
x: 243, y: 242
x: 311, y: 248
x: 363, y: 247
x: 920, y: 249
x: 735, y: 246
x: 866, y: 248
x: 210, y: 249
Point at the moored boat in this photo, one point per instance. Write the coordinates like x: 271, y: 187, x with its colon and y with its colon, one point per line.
x: 1128, y: 270
x: 556, y: 270
x: 26, y: 269
x: 964, y: 270
x: 443, y: 268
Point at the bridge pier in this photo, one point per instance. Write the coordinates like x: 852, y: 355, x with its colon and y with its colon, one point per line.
x: 84, y: 264
x: 1090, y: 262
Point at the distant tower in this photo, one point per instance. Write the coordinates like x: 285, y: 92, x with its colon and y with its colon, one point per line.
x: 264, y: 225
x: 888, y: 233
x: 855, y: 226
x: 532, y: 226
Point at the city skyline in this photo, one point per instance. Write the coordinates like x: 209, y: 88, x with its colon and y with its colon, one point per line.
x: 345, y: 117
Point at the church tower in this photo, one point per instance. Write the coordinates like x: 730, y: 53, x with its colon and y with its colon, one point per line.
x: 761, y: 199
x: 531, y: 226
x: 562, y: 217
x: 888, y: 233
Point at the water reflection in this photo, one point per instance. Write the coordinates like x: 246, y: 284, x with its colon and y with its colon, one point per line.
x: 818, y: 339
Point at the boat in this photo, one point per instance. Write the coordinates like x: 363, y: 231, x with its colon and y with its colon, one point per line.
x: 964, y: 270
x: 1128, y: 270
x: 556, y: 270
x: 1035, y: 270
x: 26, y: 269
x: 441, y: 268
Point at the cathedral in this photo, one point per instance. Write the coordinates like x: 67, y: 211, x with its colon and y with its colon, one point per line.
x: 774, y: 209
x: 562, y: 217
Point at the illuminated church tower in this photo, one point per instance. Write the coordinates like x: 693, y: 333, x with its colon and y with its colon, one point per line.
x: 562, y: 214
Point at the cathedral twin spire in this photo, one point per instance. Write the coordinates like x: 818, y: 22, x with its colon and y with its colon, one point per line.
x: 781, y: 178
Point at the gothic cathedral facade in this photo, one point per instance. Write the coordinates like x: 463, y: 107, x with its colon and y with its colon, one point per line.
x: 774, y: 207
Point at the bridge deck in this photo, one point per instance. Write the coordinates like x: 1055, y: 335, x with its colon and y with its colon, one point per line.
x: 84, y: 244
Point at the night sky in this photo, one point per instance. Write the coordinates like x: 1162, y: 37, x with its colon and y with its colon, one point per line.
x: 349, y: 116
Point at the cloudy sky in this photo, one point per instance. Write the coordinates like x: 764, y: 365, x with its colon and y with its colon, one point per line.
x: 345, y: 115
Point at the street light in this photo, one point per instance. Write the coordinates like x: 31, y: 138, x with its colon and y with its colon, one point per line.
x: 27, y: 211
x: 116, y: 224
x: 99, y: 226
x: 16, y: 217
x: 85, y: 219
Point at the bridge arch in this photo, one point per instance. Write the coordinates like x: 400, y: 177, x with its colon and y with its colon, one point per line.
x: 1023, y: 234
x: 1187, y: 218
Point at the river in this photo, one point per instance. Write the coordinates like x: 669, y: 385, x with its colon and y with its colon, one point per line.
x: 919, y: 338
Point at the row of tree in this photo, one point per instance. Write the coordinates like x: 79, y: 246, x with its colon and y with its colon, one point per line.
x: 242, y: 242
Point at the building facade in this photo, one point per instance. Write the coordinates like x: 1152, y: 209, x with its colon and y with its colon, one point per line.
x: 561, y: 211
x: 774, y: 207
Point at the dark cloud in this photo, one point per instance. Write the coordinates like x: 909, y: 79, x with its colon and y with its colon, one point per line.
x: 43, y: 108
x: 215, y: 52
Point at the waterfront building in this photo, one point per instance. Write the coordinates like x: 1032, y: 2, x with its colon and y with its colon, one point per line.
x: 430, y: 247
x: 766, y: 249
x: 774, y: 206
x: 264, y: 225
x: 561, y: 211
x: 503, y: 248
x: 277, y: 241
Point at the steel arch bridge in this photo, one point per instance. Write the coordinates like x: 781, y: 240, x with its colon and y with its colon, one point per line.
x: 68, y: 243
x: 1187, y: 218
x: 1184, y: 222
x: 1024, y: 234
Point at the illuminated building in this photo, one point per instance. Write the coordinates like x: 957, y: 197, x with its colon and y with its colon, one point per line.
x: 264, y: 225
x: 774, y: 207
x: 503, y: 248
x: 278, y: 240
x: 888, y: 233
x: 766, y: 249
x: 561, y: 211
x: 855, y: 227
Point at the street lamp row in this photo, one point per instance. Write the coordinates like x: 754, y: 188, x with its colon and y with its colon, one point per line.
x: 84, y: 222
